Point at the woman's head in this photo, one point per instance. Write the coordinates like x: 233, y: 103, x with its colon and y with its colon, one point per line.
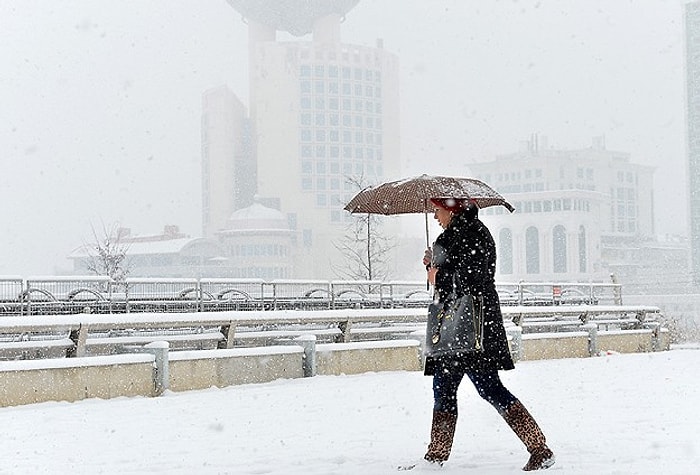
x: 447, y: 208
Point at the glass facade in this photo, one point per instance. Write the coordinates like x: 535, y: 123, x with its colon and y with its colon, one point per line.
x: 340, y: 127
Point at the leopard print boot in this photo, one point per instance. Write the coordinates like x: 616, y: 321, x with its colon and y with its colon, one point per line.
x: 525, y: 427
x: 441, y: 435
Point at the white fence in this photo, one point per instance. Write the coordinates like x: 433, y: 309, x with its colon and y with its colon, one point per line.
x: 80, y: 294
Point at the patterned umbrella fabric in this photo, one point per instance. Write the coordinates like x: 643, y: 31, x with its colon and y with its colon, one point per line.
x: 412, y: 195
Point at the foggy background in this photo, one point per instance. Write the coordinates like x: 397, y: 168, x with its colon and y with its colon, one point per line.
x: 100, y: 102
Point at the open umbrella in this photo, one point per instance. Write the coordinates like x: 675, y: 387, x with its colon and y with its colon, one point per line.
x: 412, y: 195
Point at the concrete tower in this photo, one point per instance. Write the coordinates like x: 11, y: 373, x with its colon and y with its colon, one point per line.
x: 322, y: 113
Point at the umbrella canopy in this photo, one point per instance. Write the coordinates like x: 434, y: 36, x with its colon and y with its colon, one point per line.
x: 412, y: 195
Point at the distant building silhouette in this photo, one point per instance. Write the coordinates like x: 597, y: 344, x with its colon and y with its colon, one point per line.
x: 322, y: 114
x: 580, y: 215
x: 170, y: 254
x: 692, y: 47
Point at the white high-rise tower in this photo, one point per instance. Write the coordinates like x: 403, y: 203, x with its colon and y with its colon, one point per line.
x: 323, y: 114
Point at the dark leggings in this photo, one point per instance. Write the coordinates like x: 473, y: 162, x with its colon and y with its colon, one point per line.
x: 486, y: 381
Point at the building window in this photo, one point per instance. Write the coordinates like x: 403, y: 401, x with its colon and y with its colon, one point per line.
x: 307, y: 237
x: 582, y: 257
x: 559, y: 249
x: 532, y: 250
x: 505, y: 251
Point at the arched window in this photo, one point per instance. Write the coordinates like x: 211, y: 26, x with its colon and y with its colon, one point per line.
x: 505, y: 251
x: 559, y: 249
x: 532, y: 250
x: 582, y: 256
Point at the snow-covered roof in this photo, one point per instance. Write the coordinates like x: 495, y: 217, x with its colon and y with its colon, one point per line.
x: 168, y: 246
x: 258, y: 216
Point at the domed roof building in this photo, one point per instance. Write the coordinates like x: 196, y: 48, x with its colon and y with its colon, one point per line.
x: 260, y: 243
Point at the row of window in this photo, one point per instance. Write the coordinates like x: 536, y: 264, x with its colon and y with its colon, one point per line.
x: 346, y: 168
x: 545, y: 206
x: 348, y: 151
x: 582, y: 173
x: 343, y: 72
x: 629, y: 177
x: 321, y: 119
x: 335, y: 135
x: 261, y: 273
x: 540, y: 186
x: 259, y: 250
x: 514, y: 176
x: 334, y: 104
x: 335, y: 88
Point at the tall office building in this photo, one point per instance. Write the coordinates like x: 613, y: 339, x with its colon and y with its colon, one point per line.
x: 692, y: 46
x: 228, y: 169
x: 324, y: 118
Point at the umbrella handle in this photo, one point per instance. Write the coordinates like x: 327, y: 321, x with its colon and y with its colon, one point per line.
x: 427, y: 244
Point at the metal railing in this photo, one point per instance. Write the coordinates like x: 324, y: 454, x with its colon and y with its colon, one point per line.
x: 89, y: 294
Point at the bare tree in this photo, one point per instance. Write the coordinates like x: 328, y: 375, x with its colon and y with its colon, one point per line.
x: 107, y: 254
x: 364, y: 246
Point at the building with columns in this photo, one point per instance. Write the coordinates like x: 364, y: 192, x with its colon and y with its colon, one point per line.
x: 323, y: 119
x: 581, y: 215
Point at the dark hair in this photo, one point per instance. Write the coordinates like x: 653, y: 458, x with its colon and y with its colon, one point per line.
x: 471, y: 210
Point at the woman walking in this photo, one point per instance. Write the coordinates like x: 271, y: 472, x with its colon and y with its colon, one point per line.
x: 463, y: 261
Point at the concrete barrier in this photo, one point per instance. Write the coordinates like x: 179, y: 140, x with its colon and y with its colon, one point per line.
x: 73, y: 379
x: 633, y: 341
x: 32, y: 381
x: 354, y: 358
x: 554, y: 345
x: 203, y: 369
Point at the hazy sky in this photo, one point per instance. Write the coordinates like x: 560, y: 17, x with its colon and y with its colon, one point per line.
x: 100, y: 101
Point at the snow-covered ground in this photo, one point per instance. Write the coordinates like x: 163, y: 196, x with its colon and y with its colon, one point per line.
x: 616, y: 414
